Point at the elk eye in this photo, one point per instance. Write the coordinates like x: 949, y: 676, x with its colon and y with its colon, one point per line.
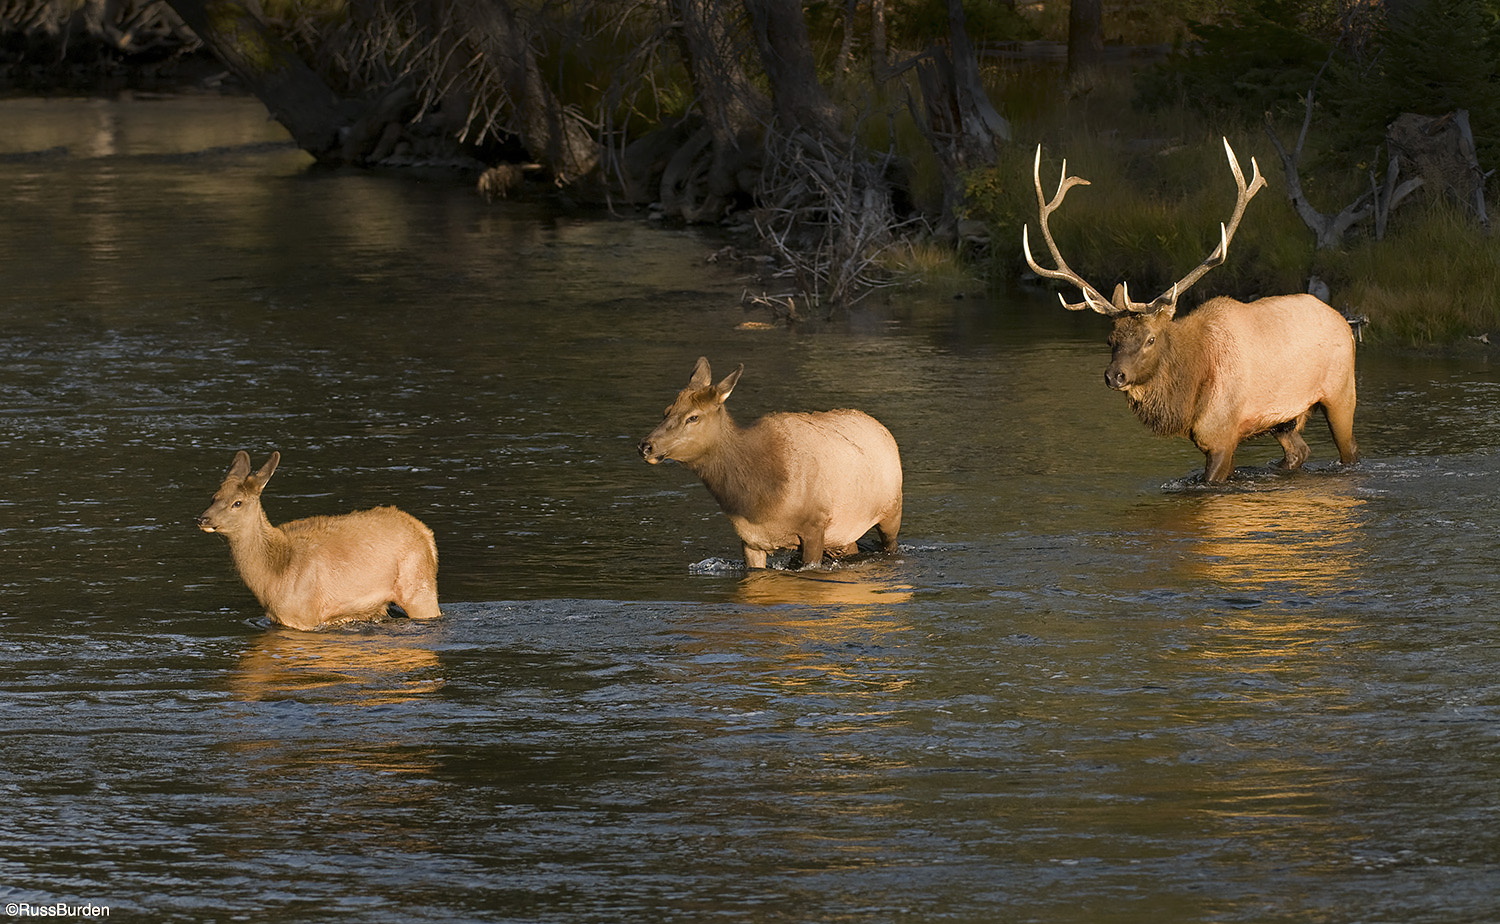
x: 691, y: 418
x: 1150, y: 340
x: 236, y: 504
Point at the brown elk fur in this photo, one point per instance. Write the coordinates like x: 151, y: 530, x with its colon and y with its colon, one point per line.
x: 1230, y: 370
x: 816, y: 482
x: 325, y: 569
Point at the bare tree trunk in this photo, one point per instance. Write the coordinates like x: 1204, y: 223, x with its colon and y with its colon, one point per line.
x: 295, y: 95
x: 734, y: 111
x: 846, y: 43
x: 560, y: 142
x: 1441, y: 151
x: 786, y: 56
x: 1329, y: 230
x: 983, y: 126
x: 823, y: 200
x: 1085, y: 36
x: 961, y: 124
x: 880, y: 62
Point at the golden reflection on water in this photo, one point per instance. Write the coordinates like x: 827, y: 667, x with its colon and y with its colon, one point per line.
x: 843, y: 587
x: 1307, y: 536
x: 338, y: 667
x: 344, y: 673
x: 825, y: 632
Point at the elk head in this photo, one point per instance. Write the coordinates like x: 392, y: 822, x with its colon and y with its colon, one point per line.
x: 692, y: 424
x: 238, y: 499
x: 1139, y: 326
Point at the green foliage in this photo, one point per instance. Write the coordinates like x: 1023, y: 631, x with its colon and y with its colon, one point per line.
x: 1127, y: 22
x: 1263, y: 55
x: 1431, y: 281
x: 297, y: 10
x: 1433, y: 57
x: 917, y: 24
x: 1427, y: 56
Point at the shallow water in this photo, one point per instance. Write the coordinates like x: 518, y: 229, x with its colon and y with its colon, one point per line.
x: 1084, y: 689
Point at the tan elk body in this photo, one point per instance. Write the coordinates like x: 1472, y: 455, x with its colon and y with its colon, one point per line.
x: 816, y: 482
x: 325, y: 569
x: 1228, y: 370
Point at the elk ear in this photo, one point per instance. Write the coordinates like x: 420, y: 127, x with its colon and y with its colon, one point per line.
x: 702, y: 377
x: 725, y: 387
x: 240, y: 467
x: 267, y: 470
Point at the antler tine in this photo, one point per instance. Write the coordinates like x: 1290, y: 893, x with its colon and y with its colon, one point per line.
x: 1091, y: 297
x: 1243, y: 194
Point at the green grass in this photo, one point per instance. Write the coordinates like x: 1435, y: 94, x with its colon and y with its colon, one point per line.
x: 1434, y: 280
x: 1160, y: 186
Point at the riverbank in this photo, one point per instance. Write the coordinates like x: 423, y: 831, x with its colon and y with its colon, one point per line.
x: 1159, y: 188
x: 1160, y: 185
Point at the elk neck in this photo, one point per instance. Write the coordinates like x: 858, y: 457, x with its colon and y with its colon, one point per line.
x: 1167, y: 400
x: 742, y: 467
x: 261, y: 552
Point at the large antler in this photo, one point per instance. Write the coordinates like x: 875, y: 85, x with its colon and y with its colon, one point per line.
x: 1168, y: 300
x: 1091, y: 297
x: 1121, y: 303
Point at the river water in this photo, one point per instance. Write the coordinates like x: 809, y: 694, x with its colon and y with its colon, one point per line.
x: 1083, y: 691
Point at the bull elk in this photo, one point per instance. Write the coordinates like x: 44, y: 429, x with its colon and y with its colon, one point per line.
x: 816, y: 482
x: 1227, y: 370
x: 324, y: 569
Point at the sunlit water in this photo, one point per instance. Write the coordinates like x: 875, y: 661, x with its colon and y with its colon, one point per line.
x: 1083, y: 691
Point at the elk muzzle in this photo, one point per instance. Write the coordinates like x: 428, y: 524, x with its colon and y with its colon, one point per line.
x: 1115, y: 377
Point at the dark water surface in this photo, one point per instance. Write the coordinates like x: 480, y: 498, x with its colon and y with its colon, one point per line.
x: 1082, y: 692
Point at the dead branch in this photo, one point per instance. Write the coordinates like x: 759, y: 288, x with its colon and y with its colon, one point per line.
x: 1386, y: 198
x: 827, y: 216
x: 1328, y: 229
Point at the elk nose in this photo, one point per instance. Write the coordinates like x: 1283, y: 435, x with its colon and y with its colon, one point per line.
x: 1114, y: 378
x: 645, y: 448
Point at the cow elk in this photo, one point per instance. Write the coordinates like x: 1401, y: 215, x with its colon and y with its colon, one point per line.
x: 816, y: 482
x: 324, y: 569
x: 1227, y: 370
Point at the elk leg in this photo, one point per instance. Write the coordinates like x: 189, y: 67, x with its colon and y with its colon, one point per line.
x: 1293, y: 446
x: 812, y: 548
x: 416, y: 592
x: 1341, y: 425
x: 754, y: 558
x: 1220, y: 465
x: 889, y: 527
x: 422, y: 605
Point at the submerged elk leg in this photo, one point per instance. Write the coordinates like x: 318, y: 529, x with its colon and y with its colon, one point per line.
x: 813, y: 538
x: 754, y: 558
x: 1341, y: 425
x: 812, y: 548
x: 1294, y: 448
x: 420, y: 602
x: 1220, y: 464
x: 889, y: 528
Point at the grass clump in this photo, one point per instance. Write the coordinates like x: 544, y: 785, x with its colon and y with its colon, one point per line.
x: 1160, y: 186
x: 1434, y: 280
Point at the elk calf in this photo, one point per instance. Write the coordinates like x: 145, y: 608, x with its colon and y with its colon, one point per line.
x: 815, y: 482
x: 1229, y: 370
x: 321, y: 570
